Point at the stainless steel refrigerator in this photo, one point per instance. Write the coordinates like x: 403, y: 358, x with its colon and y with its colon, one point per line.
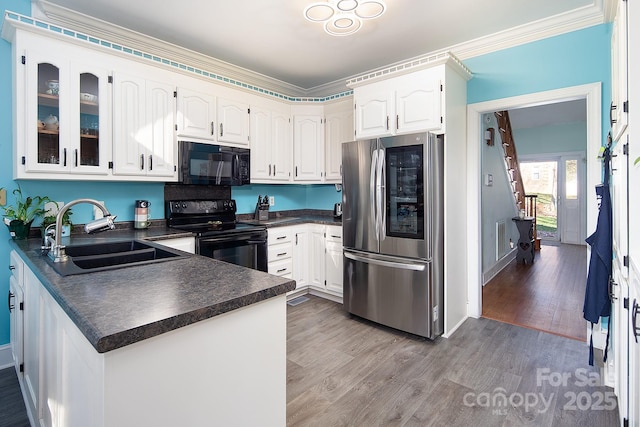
x: 392, y: 230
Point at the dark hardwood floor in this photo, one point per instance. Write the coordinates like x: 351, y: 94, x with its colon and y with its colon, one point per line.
x: 344, y: 371
x: 12, y: 410
x: 547, y: 296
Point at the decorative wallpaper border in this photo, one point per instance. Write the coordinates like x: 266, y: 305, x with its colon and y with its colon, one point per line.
x: 163, y: 61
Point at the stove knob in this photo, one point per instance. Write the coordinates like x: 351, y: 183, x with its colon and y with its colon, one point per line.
x: 176, y: 206
x: 231, y: 205
x: 225, y: 204
x: 184, y: 206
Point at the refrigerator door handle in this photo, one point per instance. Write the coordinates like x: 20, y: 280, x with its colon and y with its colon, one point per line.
x: 382, y: 179
x: 381, y: 262
x: 372, y: 190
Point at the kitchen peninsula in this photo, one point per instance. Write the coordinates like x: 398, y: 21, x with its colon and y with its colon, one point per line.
x: 191, y: 341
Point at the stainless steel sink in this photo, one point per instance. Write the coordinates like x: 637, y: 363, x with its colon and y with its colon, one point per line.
x: 89, y: 258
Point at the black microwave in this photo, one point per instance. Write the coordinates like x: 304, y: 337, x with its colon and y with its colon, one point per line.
x: 209, y: 164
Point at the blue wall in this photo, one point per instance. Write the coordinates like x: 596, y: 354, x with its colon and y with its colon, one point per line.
x: 571, y: 59
x: 287, y: 196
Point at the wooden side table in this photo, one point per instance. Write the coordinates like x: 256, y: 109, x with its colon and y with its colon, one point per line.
x: 526, y: 244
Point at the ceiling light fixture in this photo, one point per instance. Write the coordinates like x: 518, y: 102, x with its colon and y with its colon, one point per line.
x: 344, y: 17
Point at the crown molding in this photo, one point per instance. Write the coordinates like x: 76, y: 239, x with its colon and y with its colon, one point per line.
x: 574, y: 20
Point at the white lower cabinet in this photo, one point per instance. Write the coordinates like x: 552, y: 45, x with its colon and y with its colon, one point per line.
x: 67, y: 382
x: 16, y: 311
x: 280, y: 250
x: 311, y: 254
x: 325, y: 259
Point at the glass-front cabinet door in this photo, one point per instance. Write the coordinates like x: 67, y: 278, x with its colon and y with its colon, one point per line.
x: 66, y: 117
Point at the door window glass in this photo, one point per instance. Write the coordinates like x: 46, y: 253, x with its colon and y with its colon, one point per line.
x: 404, y: 187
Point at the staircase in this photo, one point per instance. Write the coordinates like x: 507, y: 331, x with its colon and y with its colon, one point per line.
x: 521, y: 199
x: 511, y: 157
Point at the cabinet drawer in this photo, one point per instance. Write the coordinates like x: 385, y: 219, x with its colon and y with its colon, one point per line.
x: 281, y: 268
x: 278, y: 236
x: 278, y: 252
x: 334, y: 234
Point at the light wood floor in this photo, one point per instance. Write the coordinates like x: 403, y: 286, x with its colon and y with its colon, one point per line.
x: 344, y: 371
x: 547, y: 295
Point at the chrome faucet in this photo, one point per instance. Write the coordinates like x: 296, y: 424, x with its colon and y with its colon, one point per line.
x: 53, y: 238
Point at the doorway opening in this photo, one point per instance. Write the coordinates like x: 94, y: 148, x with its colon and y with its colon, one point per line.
x: 540, y: 178
x: 590, y: 96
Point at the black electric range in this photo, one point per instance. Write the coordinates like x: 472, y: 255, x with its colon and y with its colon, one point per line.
x: 218, y: 234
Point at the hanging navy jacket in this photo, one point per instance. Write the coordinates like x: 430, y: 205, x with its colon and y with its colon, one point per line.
x: 596, y: 299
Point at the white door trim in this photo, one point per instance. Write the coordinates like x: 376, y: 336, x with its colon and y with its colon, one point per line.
x: 592, y: 93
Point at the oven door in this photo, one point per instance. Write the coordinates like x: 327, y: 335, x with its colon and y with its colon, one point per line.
x: 245, y: 249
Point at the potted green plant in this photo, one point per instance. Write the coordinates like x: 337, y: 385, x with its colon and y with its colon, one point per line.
x: 51, y: 219
x: 19, y: 216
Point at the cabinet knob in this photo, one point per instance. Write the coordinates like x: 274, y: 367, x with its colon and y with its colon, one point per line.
x: 12, y: 267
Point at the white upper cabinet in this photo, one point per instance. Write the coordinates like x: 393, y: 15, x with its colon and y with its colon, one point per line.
x: 233, y: 122
x: 196, y: 115
x: 418, y: 102
x: 270, y: 129
x: 338, y: 129
x: 374, y: 108
x: 144, y: 128
x: 281, y: 144
x: 618, y: 114
x: 308, y: 148
x: 65, y: 130
x: 399, y: 105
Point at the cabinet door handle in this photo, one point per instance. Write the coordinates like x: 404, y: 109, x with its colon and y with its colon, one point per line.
x: 281, y: 270
x: 213, y: 128
x: 76, y: 157
x: 282, y: 254
x: 150, y: 162
x: 296, y: 171
x: 12, y: 267
x: 269, y: 170
x: 64, y: 157
x: 281, y: 237
x: 274, y: 170
x: 612, y: 283
x: 634, y: 314
x: 9, y: 296
x: 387, y: 122
x: 611, y: 119
x: 221, y: 129
x: 141, y: 161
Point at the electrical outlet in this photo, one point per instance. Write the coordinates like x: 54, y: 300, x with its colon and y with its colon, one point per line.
x: 97, y: 212
x: 3, y: 197
x: 272, y: 200
x: 52, y: 208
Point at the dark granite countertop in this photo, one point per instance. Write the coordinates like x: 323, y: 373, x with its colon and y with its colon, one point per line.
x: 293, y: 217
x: 119, y: 307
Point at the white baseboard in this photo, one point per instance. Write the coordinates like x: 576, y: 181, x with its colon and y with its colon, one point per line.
x: 498, y: 266
x: 326, y: 295
x: 6, y: 358
x: 450, y: 332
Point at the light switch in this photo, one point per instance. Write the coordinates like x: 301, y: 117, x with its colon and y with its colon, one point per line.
x: 488, y: 180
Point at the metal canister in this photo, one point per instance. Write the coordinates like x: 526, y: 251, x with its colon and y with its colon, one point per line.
x: 141, y: 214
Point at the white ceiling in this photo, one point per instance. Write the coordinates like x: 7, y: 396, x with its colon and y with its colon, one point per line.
x: 271, y: 37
